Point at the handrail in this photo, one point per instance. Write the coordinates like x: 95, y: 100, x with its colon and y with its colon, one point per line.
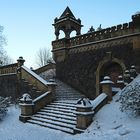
x: 34, y: 79
x: 42, y: 100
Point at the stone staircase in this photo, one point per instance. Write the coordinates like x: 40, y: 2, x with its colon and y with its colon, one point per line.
x: 59, y: 114
x: 65, y: 92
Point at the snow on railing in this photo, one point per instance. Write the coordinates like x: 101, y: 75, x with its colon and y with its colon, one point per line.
x: 41, y: 97
x: 99, y: 101
x: 37, y: 77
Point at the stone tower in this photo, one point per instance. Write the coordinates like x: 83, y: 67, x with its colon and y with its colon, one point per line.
x: 67, y: 23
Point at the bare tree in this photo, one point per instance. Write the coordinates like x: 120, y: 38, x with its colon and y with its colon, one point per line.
x: 43, y: 57
x: 4, y: 58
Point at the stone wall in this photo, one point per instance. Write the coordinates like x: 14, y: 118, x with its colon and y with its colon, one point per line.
x: 79, y: 69
x: 9, y: 86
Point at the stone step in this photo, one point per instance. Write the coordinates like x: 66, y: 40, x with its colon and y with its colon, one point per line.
x: 52, y: 126
x: 56, y: 119
x: 61, y: 107
x: 60, y: 115
x: 63, y: 104
x: 68, y: 95
x: 65, y: 98
x: 69, y: 102
x: 58, y: 109
x: 53, y: 122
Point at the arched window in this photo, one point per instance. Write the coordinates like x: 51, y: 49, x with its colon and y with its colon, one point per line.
x: 62, y: 34
x: 73, y: 34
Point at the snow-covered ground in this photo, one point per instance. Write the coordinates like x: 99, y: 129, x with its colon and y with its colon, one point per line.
x: 108, y: 124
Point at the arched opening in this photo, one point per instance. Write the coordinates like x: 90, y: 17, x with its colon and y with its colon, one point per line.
x: 62, y: 34
x: 111, y: 68
x: 73, y: 34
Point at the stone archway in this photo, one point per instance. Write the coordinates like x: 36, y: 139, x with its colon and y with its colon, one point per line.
x: 111, y: 67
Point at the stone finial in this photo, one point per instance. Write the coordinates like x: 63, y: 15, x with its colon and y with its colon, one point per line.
x: 133, y: 72
x: 91, y: 29
x: 26, y: 98
x: 106, y: 80
x: 120, y: 82
x: 99, y: 28
x: 84, y: 102
x: 126, y: 77
x: 20, y: 61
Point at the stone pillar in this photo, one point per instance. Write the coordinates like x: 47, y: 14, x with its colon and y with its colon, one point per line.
x: 126, y: 77
x: 84, y: 113
x: 120, y: 82
x: 52, y: 86
x: 107, y: 87
x: 20, y: 61
x: 27, y: 106
x: 133, y: 72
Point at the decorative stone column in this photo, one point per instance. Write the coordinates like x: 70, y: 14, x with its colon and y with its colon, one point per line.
x: 120, y: 82
x: 84, y: 113
x: 107, y: 87
x: 20, y: 61
x: 52, y: 86
x: 133, y: 72
x: 26, y: 105
x: 126, y: 77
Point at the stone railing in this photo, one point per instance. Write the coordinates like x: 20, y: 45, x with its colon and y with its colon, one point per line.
x: 7, y: 69
x: 30, y: 107
x: 59, y: 43
x: 45, y: 68
x: 103, y: 34
x: 33, y: 79
x: 42, y: 100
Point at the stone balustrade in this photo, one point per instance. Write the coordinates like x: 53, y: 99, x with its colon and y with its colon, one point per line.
x: 34, y: 79
x: 7, y: 69
x: 30, y: 107
x: 108, y: 33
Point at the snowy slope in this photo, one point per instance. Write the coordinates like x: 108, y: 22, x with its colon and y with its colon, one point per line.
x: 109, y: 124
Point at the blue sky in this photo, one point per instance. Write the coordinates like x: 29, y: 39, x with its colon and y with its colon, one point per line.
x: 28, y: 23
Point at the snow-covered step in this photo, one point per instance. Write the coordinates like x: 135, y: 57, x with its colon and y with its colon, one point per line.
x: 63, y: 104
x: 57, y: 109
x: 70, y: 102
x: 58, y: 112
x: 61, y: 107
x: 67, y: 130
x: 65, y: 91
x: 56, y: 119
x: 65, y: 98
x: 53, y: 122
x: 57, y: 115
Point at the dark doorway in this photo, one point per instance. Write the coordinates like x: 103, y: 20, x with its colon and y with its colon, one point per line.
x: 112, y: 69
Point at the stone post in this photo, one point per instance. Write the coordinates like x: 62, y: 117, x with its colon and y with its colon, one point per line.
x: 84, y: 114
x: 27, y: 106
x: 126, y: 77
x: 20, y: 61
x: 107, y: 87
x: 133, y: 72
x: 51, y: 87
x: 120, y: 82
